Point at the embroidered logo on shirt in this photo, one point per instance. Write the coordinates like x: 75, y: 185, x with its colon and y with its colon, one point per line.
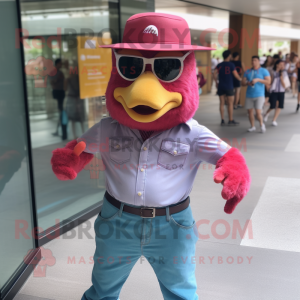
x: 151, y: 29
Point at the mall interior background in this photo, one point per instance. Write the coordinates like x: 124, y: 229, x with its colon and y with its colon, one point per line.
x: 28, y: 114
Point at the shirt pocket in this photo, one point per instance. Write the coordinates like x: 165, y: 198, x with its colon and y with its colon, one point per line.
x: 120, y: 149
x: 172, y: 155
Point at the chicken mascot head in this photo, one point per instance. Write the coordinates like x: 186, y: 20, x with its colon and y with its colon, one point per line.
x: 151, y: 148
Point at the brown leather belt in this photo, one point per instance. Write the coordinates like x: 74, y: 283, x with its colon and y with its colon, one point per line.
x: 148, y: 212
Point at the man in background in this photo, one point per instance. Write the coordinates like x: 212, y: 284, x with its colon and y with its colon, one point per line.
x: 255, y: 79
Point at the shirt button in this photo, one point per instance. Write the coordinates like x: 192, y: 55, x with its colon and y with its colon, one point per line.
x: 142, y: 170
x: 145, y: 148
x: 139, y: 193
x: 175, y: 152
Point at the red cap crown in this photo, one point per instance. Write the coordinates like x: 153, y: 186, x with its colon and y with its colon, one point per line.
x: 157, y: 32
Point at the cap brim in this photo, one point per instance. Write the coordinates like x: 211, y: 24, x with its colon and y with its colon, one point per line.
x: 157, y: 47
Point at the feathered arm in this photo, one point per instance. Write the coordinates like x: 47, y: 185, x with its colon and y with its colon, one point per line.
x: 67, y: 162
x: 232, y: 171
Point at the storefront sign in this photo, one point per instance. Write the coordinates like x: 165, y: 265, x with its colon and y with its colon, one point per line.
x: 94, y: 66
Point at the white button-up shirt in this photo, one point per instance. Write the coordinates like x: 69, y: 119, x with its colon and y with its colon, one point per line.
x: 157, y: 172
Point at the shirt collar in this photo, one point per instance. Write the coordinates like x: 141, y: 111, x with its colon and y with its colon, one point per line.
x: 189, y: 123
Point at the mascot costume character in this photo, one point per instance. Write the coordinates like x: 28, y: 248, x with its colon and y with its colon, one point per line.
x: 151, y: 148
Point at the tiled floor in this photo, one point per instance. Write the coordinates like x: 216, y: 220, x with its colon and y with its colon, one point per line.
x: 231, y: 268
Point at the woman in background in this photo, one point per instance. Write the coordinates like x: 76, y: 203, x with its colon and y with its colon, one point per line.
x: 292, y: 74
x: 298, y: 71
x: 240, y: 68
x: 277, y: 90
x: 268, y: 64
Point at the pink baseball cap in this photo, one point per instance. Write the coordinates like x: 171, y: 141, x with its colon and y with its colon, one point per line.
x: 156, y: 32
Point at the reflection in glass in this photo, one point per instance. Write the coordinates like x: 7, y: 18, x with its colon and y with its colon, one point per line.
x: 52, y: 44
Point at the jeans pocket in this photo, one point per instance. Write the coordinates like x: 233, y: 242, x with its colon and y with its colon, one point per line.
x: 108, y: 211
x: 104, y: 225
x: 183, y: 219
x: 172, y: 155
x: 120, y: 149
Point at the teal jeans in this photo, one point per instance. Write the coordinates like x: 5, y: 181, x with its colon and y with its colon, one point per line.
x: 167, y: 242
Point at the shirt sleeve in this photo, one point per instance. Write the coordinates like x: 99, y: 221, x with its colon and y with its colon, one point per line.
x: 92, y: 139
x: 210, y: 147
x: 232, y: 67
x: 266, y: 73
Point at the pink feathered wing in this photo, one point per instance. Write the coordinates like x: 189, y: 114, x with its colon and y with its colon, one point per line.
x: 233, y: 173
x: 66, y: 164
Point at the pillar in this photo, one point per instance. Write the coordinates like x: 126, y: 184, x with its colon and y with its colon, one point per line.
x: 203, y: 59
x: 244, y: 38
x: 295, y: 47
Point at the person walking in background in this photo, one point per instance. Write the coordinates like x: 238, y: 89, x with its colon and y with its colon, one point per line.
x: 58, y: 93
x: 275, y: 58
x: 269, y: 66
x: 292, y: 73
x: 287, y: 65
x: 240, y: 68
x: 269, y: 63
x: 277, y: 90
x: 256, y: 78
x: 214, y: 64
x: 226, y: 71
x: 298, y: 71
x: 287, y: 59
x: 201, y: 81
x: 74, y: 105
x: 262, y: 59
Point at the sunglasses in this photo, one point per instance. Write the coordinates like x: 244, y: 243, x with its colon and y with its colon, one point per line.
x: 166, y: 69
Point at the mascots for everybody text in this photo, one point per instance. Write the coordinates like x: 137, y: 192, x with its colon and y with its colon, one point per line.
x: 151, y: 147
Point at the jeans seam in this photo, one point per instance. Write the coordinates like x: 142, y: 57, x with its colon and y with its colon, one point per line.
x: 150, y: 233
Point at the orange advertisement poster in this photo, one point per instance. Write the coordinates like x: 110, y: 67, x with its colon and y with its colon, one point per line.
x: 94, y: 66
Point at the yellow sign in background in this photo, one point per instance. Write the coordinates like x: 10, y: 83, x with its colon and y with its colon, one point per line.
x: 94, y: 66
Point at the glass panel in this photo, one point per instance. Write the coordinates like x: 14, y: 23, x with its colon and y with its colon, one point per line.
x: 15, y: 195
x: 132, y: 7
x: 69, y: 31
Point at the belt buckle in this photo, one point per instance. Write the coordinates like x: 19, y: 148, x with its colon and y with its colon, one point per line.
x: 148, y: 208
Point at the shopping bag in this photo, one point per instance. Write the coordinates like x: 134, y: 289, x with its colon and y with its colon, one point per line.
x: 287, y: 82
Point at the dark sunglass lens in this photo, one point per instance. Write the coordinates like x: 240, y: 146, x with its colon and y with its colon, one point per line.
x: 130, y: 67
x: 167, y: 69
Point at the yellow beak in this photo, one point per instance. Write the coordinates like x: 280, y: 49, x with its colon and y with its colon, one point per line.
x: 146, y: 90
